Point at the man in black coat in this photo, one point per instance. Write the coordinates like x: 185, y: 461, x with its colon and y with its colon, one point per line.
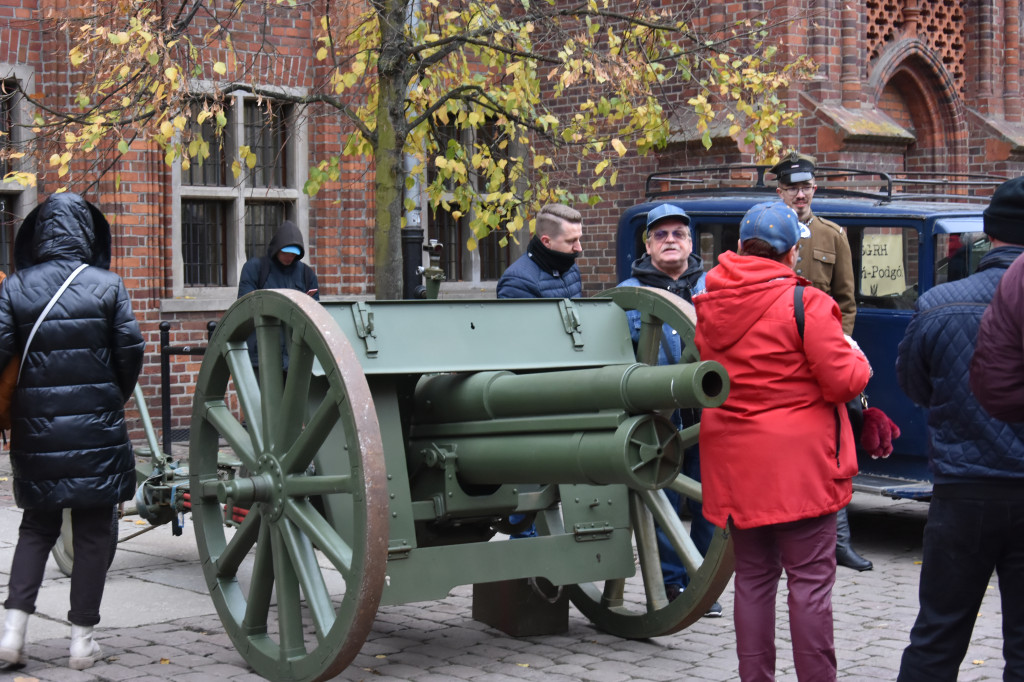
x: 69, y: 441
x: 280, y: 268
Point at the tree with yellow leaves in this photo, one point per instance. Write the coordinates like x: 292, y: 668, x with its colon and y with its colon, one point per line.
x: 471, y: 98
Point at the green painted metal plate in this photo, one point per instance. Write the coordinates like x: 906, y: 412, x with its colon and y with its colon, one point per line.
x: 414, y: 337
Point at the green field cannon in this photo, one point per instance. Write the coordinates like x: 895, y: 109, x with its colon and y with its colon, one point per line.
x: 385, y: 445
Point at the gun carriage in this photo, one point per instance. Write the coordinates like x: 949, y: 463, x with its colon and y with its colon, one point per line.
x: 384, y: 446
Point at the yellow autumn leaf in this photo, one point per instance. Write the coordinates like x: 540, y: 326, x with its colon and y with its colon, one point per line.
x: 220, y: 67
x: 619, y: 146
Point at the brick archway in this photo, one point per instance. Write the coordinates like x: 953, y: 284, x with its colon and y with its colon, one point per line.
x: 913, y: 87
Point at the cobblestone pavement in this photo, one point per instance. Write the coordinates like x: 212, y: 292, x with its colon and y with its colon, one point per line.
x: 159, y: 622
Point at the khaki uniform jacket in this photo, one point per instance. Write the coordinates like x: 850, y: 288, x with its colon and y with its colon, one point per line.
x: 825, y: 259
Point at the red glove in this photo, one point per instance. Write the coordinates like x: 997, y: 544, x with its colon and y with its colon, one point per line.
x: 878, y: 433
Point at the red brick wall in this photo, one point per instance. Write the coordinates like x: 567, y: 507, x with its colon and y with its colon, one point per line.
x: 135, y: 193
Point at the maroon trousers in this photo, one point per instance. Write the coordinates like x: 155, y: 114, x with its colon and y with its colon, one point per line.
x: 806, y: 550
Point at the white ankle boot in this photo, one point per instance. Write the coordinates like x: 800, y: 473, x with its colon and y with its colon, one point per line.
x: 84, y: 649
x: 12, y: 644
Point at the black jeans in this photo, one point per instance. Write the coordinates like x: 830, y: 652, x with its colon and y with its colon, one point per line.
x: 966, y: 538
x: 39, y: 530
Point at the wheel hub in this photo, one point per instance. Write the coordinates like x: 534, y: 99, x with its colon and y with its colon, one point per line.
x: 271, y: 473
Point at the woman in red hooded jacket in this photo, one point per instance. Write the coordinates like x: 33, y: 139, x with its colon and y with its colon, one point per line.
x: 780, y: 451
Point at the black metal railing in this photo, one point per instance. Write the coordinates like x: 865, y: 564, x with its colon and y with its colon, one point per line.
x: 166, y: 352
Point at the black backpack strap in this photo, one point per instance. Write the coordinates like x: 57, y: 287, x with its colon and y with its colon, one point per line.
x: 798, y: 308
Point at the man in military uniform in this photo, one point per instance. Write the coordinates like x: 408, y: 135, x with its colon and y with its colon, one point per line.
x: 825, y: 259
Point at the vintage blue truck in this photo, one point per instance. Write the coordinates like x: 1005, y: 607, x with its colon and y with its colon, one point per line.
x: 907, y: 233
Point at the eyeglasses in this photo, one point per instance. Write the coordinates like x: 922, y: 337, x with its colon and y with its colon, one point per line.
x: 796, y: 189
x: 678, y: 235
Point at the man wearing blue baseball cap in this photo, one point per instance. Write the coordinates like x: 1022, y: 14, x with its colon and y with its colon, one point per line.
x: 280, y: 268
x: 670, y: 264
x: 778, y: 457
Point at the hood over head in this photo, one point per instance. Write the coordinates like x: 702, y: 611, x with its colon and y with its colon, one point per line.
x: 64, y: 227
x: 740, y: 290
x: 287, y: 235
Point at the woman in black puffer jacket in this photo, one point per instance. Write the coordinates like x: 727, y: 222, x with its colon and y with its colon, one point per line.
x: 69, y: 442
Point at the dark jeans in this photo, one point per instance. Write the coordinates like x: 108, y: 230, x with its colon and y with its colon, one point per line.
x: 39, y: 530
x: 966, y: 538
x: 701, y: 530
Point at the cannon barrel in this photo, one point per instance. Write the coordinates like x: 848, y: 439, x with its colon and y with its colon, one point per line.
x: 596, y: 425
x: 634, y: 388
x: 644, y: 452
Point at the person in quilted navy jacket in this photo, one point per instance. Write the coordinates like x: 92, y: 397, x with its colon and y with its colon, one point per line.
x: 548, y: 268
x: 976, y: 516
x: 69, y: 443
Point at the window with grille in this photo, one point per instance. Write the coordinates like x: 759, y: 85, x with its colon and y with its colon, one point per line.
x: 261, y: 222
x: 488, y: 261
x: 6, y: 208
x: 7, y: 227
x: 211, y: 169
x: 223, y: 220
x: 6, y: 122
x: 203, y: 241
x: 16, y: 200
x: 266, y: 135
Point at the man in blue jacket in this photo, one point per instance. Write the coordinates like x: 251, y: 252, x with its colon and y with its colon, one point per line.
x: 976, y: 516
x: 670, y: 264
x: 548, y: 268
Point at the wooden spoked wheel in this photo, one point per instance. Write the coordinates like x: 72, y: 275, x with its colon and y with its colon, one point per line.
x: 298, y: 569
x: 622, y: 607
